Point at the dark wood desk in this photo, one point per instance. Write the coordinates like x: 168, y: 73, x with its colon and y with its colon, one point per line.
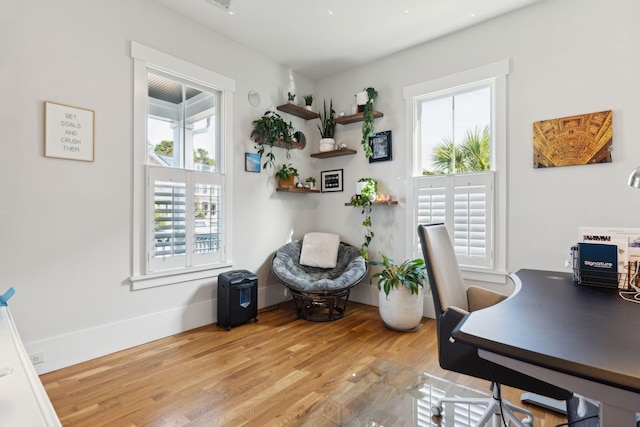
x: 580, y: 338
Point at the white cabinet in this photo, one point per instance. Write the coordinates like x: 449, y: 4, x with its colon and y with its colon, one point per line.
x: 23, y: 399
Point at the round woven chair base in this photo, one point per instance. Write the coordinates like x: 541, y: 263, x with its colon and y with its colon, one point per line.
x: 321, y: 307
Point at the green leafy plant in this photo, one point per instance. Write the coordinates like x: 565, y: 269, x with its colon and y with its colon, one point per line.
x: 411, y: 273
x: 291, y: 96
x: 364, y: 201
x: 286, y: 172
x: 367, y: 121
x: 311, y: 179
x: 308, y: 99
x: 327, y: 125
x: 268, y: 130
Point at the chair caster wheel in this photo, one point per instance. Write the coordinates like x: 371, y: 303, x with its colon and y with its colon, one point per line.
x: 436, y: 411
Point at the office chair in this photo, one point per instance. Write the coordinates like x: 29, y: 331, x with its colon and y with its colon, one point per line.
x: 452, y: 302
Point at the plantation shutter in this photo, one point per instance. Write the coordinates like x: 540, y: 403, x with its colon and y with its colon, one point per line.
x: 168, y: 205
x: 431, y: 199
x: 208, y: 218
x: 471, y: 218
x: 463, y: 203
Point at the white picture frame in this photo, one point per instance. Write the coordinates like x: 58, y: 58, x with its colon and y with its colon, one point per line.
x: 69, y: 132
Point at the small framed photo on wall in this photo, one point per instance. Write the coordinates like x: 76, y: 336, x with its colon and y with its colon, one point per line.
x: 331, y: 181
x: 251, y: 162
x: 380, y: 144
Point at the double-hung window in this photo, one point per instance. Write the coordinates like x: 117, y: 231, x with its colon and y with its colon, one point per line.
x: 181, y: 189
x: 458, y: 127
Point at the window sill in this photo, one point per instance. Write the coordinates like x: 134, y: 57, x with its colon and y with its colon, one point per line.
x: 177, y: 276
x: 490, y: 276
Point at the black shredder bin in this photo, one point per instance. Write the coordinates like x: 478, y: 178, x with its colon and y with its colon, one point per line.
x: 237, y: 298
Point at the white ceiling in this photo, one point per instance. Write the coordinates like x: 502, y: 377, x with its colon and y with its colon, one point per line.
x: 318, y: 38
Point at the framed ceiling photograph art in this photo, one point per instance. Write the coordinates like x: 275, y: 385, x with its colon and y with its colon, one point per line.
x: 575, y: 140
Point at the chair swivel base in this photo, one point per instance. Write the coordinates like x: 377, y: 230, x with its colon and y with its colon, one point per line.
x: 325, y: 307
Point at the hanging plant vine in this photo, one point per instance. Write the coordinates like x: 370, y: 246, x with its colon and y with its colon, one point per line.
x: 269, y: 130
x: 364, y: 201
x: 367, y: 121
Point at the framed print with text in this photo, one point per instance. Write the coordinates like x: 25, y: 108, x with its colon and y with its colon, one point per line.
x: 331, y: 181
x: 69, y: 132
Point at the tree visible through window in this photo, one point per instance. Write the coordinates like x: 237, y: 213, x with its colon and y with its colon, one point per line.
x: 455, y: 133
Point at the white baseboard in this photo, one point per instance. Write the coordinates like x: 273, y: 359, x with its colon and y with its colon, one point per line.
x: 79, y: 346
x: 86, y: 344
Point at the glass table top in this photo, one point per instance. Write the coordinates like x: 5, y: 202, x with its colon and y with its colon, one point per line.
x: 386, y: 394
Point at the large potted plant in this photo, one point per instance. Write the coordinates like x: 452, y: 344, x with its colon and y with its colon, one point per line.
x: 327, y: 127
x: 270, y: 130
x: 400, y: 300
x: 367, y: 121
x: 286, y: 175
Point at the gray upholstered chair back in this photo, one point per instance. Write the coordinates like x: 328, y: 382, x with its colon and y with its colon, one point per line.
x: 447, y: 285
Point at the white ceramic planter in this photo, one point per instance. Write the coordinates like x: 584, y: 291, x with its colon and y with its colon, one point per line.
x: 362, y: 97
x: 401, y: 310
x: 327, y: 144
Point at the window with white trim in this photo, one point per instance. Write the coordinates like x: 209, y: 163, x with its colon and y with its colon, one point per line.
x: 458, y: 126
x: 185, y: 186
x: 182, y: 116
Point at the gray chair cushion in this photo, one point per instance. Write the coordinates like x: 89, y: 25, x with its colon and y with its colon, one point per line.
x: 349, y: 271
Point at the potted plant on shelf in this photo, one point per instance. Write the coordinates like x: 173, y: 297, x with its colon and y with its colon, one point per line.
x: 327, y: 127
x: 367, y: 121
x: 400, y: 287
x: 366, y: 189
x: 270, y: 130
x: 311, y: 181
x: 286, y: 176
x: 291, y: 97
x: 308, y: 100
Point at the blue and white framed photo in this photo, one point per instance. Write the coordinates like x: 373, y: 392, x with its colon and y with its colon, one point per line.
x: 251, y: 162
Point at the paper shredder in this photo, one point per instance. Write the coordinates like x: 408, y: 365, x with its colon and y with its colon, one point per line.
x: 237, y: 298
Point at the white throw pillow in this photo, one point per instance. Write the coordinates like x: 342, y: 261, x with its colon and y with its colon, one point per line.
x: 320, y: 250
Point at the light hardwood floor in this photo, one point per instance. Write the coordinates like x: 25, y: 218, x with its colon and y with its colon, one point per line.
x: 268, y: 373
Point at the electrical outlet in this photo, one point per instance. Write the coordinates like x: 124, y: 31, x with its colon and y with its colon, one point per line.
x: 37, y: 358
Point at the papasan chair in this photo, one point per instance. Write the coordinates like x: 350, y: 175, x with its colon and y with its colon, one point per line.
x: 319, y: 271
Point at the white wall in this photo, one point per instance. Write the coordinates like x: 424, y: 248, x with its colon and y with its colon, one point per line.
x: 568, y: 57
x: 66, y: 225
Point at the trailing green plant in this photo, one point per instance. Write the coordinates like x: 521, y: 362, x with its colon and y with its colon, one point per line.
x: 367, y: 121
x: 286, y: 172
x: 411, y: 273
x: 364, y: 201
x: 327, y: 125
x: 308, y: 99
x: 269, y: 130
